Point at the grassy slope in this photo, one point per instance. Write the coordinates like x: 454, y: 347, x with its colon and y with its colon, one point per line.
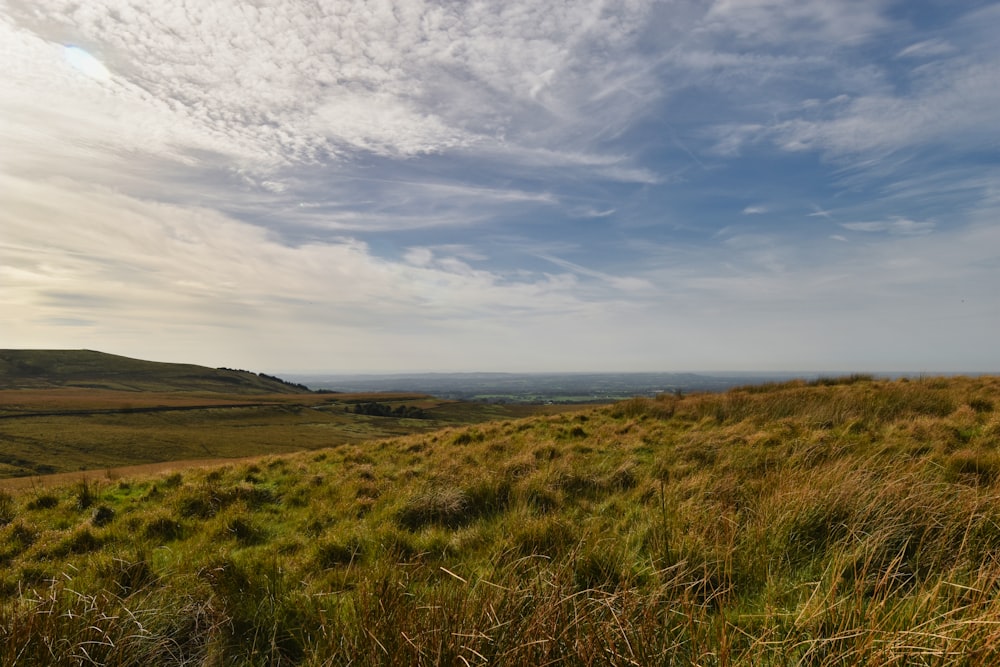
x: 44, y: 432
x: 140, y: 412
x: 852, y: 523
x: 38, y: 369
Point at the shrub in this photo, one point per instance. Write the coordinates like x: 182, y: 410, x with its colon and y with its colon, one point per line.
x: 84, y: 494
x: 854, y: 378
x: 102, y: 515
x: 43, y: 501
x: 173, y: 480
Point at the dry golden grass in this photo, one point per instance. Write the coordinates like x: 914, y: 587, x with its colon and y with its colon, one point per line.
x: 68, y: 429
x: 837, y: 524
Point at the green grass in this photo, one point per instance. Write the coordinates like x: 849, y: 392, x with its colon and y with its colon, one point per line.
x: 35, y: 369
x: 49, y: 435
x: 837, y: 523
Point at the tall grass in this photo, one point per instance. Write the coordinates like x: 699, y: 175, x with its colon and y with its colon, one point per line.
x: 843, y: 523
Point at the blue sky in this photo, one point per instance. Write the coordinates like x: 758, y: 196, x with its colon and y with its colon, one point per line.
x: 568, y: 186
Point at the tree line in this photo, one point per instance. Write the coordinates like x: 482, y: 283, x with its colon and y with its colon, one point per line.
x: 376, y: 409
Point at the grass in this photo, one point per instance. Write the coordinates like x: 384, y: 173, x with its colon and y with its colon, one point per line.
x: 836, y: 523
x: 42, y: 369
x: 64, y: 430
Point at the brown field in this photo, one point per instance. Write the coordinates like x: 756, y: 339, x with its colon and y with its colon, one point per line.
x: 64, y: 430
x: 28, y: 401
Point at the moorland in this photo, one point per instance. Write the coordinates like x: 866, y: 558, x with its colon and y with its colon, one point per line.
x: 72, y: 410
x: 834, y: 522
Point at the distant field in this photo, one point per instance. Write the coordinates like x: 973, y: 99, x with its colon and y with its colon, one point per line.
x: 68, y: 429
x: 540, y: 387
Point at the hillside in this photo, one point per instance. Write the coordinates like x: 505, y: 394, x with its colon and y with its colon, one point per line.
x: 63, y: 411
x: 41, y: 369
x: 831, y: 523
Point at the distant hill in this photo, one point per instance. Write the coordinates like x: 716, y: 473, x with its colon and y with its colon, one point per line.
x: 40, y: 369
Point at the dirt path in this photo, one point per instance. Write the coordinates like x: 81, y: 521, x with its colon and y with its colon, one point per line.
x: 147, y: 469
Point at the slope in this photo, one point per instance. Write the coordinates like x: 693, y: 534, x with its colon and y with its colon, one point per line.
x: 838, y: 523
x: 40, y: 369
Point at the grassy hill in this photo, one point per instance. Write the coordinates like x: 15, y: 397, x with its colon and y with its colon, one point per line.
x: 39, y: 369
x: 49, y: 431
x: 66, y: 410
x: 833, y: 523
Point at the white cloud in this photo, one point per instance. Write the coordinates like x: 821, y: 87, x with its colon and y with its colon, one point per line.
x: 297, y: 82
x: 624, y: 283
x: 927, y: 48
x: 900, y: 226
x: 782, y: 21
x: 954, y: 111
x: 419, y: 256
x: 730, y: 139
x: 754, y: 210
x: 592, y: 212
x: 381, y: 123
x: 104, y: 255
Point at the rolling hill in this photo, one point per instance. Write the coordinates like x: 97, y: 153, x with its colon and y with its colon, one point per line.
x: 840, y: 522
x: 41, y: 369
x: 66, y: 410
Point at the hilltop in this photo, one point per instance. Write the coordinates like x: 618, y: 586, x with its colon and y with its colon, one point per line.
x: 42, y: 369
x: 838, y: 522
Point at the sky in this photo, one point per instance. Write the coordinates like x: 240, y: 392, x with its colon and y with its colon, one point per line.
x: 445, y: 185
